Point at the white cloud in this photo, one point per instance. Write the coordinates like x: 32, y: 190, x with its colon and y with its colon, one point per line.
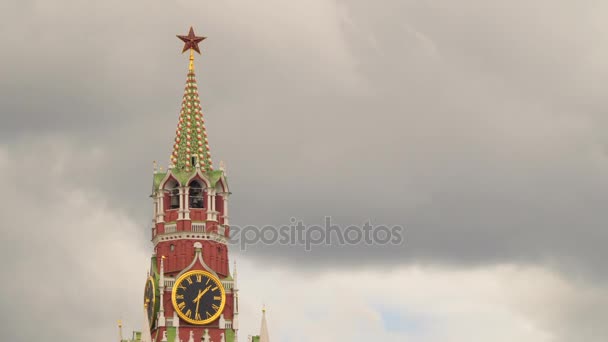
x: 500, y: 303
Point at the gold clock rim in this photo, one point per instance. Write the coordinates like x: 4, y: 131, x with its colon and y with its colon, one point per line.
x: 151, y: 281
x: 179, y: 280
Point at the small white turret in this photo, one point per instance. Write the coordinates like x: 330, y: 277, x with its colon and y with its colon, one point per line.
x: 161, y: 287
x: 235, y: 318
x: 264, y: 337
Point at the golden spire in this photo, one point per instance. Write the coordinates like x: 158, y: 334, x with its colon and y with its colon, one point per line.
x: 191, y: 65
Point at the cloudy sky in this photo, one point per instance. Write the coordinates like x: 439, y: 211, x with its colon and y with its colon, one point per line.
x: 478, y: 125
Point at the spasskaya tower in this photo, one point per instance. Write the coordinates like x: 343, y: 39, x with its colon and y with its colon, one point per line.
x: 191, y: 294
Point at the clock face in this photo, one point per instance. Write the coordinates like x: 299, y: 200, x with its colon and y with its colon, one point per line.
x: 198, y: 297
x: 150, y: 299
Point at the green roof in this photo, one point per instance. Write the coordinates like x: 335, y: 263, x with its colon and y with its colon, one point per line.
x: 191, y: 146
x: 183, y: 175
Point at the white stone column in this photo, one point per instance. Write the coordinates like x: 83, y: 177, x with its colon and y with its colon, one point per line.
x: 161, y: 289
x: 180, y: 213
x: 211, y: 215
x: 161, y: 207
x: 225, y: 197
x: 176, y: 325
x: 155, y: 215
x: 187, y: 204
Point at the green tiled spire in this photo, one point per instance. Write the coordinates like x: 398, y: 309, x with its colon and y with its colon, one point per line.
x: 191, y: 145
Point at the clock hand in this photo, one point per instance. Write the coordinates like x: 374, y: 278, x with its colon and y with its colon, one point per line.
x: 198, y: 298
x: 197, y: 303
x: 200, y: 294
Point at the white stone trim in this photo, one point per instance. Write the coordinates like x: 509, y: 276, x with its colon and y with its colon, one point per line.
x: 199, y: 227
x: 228, y: 285
x: 163, y: 182
x: 189, y: 236
x: 169, y: 282
x: 201, y: 175
x: 170, y: 228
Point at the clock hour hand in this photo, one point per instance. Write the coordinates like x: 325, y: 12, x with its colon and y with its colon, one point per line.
x: 200, y: 294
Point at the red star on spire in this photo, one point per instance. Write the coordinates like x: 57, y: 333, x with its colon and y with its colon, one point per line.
x: 191, y: 41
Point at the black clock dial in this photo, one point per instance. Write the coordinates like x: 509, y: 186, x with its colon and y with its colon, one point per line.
x: 150, y: 299
x: 198, y: 297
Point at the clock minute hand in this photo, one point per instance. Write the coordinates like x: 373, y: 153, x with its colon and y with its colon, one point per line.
x: 198, y: 301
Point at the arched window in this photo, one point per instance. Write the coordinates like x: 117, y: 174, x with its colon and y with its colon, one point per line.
x: 197, y: 195
x: 172, y: 189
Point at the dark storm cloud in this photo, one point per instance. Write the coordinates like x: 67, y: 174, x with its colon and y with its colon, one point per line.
x: 476, y: 125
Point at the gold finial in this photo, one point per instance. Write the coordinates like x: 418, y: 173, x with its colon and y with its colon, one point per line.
x: 263, y: 308
x: 191, y: 65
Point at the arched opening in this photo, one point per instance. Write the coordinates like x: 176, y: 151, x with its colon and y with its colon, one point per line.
x: 219, y: 203
x: 196, y: 195
x: 172, y: 190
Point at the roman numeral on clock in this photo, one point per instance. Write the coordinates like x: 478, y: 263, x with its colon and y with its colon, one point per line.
x: 189, y: 313
x: 199, y: 278
x: 198, y: 317
x: 217, y: 298
x: 179, y: 297
x: 181, y: 305
x: 215, y: 307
